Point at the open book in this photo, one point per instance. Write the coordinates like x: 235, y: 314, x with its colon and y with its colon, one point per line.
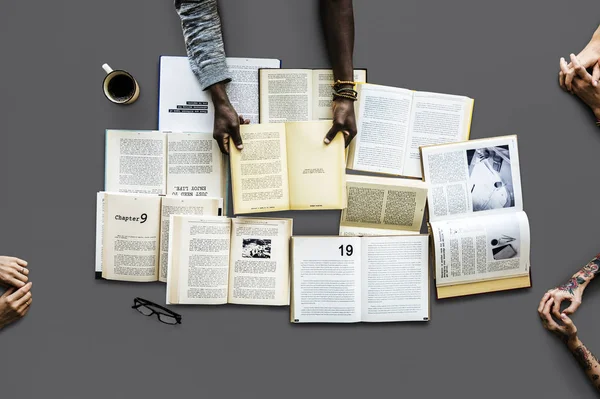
x: 393, y: 123
x: 185, y: 107
x: 216, y: 260
x: 176, y: 164
x: 293, y: 95
x: 383, y: 206
x: 354, y: 279
x: 286, y: 166
x: 480, y: 233
x: 132, y: 232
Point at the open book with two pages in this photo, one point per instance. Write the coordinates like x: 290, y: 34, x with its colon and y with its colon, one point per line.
x: 354, y: 279
x: 295, y: 95
x: 393, y: 123
x: 480, y: 233
x: 204, y: 258
x: 282, y: 165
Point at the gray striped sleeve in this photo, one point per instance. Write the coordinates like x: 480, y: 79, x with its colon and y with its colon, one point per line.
x: 201, y: 27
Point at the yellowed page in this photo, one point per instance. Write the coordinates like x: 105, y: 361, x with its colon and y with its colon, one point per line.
x: 199, y: 258
x: 285, y: 95
x: 181, y: 206
x: 173, y: 260
x: 135, y: 162
x: 383, y: 203
x: 483, y: 287
x: 131, y: 237
x: 316, y: 171
x: 259, y: 261
x: 259, y: 178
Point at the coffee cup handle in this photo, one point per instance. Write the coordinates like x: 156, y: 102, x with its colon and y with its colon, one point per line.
x: 107, y: 68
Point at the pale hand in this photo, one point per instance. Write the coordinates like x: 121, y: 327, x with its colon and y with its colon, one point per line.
x: 567, y: 332
x: 13, y: 271
x: 584, y: 85
x: 14, y: 304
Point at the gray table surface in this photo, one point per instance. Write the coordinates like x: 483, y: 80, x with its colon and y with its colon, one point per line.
x: 81, y: 339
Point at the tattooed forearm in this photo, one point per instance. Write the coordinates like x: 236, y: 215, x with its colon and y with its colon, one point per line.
x: 583, y: 357
x: 587, y: 361
x: 582, y: 277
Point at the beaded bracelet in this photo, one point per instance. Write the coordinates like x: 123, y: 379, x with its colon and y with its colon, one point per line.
x: 597, y: 122
x: 337, y: 95
x: 343, y: 82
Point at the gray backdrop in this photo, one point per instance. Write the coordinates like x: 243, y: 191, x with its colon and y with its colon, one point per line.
x: 81, y: 339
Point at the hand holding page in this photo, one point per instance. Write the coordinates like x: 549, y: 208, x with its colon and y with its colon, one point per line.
x: 281, y: 164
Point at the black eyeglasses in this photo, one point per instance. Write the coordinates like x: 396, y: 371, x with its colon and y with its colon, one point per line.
x: 148, y: 308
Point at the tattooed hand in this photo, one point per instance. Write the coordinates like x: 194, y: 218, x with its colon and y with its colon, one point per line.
x: 566, y: 332
x: 572, y: 290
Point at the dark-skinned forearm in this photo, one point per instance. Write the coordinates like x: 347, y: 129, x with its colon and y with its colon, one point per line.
x: 587, y: 361
x: 337, y: 17
x: 218, y: 94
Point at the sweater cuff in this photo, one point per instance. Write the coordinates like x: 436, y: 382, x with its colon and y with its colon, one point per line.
x: 210, y: 74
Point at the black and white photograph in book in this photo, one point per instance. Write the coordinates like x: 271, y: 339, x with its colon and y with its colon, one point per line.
x: 490, y: 178
x: 256, y: 248
x: 504, y: 241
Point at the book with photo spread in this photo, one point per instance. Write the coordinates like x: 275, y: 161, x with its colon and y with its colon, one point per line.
x: 480, y: 233
x: 217, y: 260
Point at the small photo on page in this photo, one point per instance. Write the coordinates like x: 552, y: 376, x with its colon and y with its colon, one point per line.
x: 504, y: 240
x: 256, y: 248
x: 490, y: 178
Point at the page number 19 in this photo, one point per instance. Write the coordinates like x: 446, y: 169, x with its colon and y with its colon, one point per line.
x: 349, y: 250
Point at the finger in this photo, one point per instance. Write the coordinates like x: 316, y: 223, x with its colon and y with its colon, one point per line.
x: 24, y: 299
x: 572, y: 307
x: 580, y: 70
x: 569, y: 326
x: 241, y: 118
x: 552, y: 325
x: 20, y: 262
x: 246, y: 121
x: 543, y: 302
x: 236, y: 137
x: 8, y: 292
x: 335, y: 129
x: 16, y: 283
x: 596, y: 74
x: 18, y: 274
x: 223, y: 143
x: 556, y: 307
x: 20, y: 292
x: 564, y: 70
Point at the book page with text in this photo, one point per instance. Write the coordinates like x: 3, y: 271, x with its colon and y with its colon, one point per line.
x: 395, y: 278
x: 322, y: 80
x: 313, y: 164
x: 435, y: 119
x: 481, y: 248
x: 382, y: 121
x: 195, y: 166
x: 243, y: 88
x: 99, y: 233
x: 181, y: 206
x: 389, y: 204
x: 131, y: 237
x: 198, y: 269
x: 259, y: 178
x: 285, y: 95
x: 475, y: 177
x: 326, y: 280
x: 259, y: 261
x: 135, y: 162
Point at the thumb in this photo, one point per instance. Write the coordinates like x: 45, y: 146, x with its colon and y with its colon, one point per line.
x: 568, y: 323
x: 331, y: 134
x: 572, y: 307
x: 8, y: 292
x: 236, y: 136
x: 596, y: 74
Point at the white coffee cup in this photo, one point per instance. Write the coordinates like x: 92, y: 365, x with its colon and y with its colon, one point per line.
x: 119, y: 86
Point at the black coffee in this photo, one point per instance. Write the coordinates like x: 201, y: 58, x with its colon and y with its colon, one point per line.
x: 121, y: 88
